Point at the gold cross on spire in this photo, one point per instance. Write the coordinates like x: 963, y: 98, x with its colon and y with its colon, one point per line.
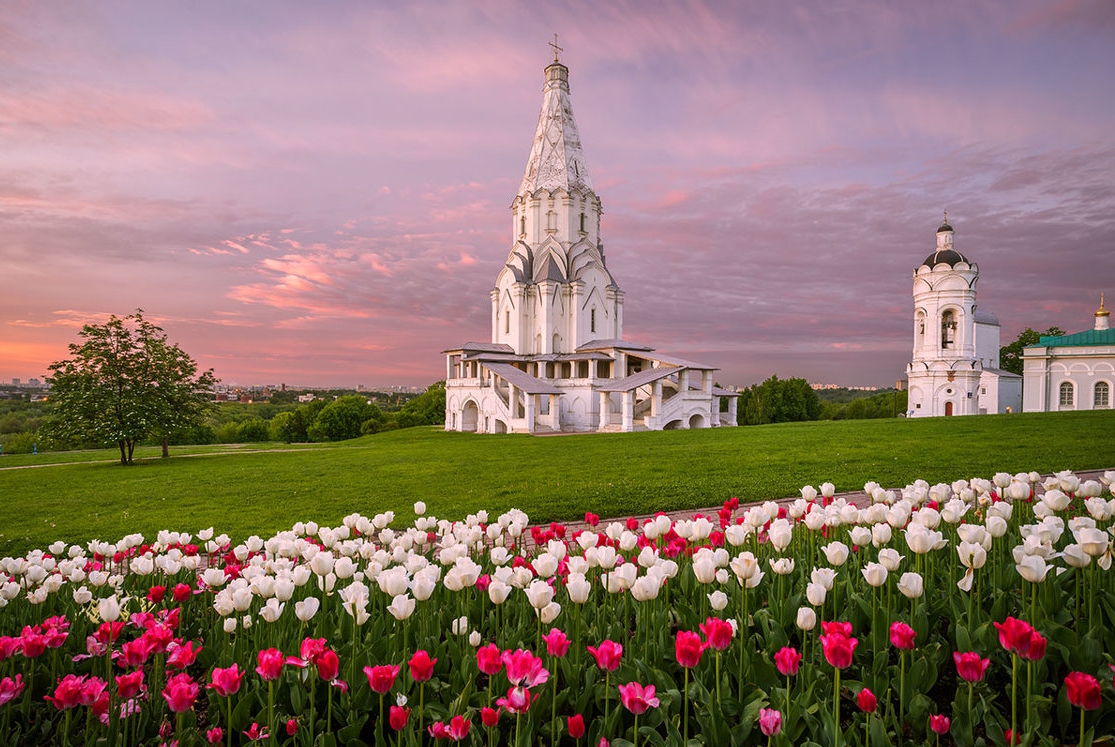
x: 557, y: 49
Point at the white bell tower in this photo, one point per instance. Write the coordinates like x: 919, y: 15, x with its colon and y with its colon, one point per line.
x: 944, y: 373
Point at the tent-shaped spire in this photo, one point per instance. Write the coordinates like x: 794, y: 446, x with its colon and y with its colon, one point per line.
x: 556, y: 159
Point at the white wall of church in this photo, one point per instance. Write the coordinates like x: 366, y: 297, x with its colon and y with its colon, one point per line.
x: 1067, y: 379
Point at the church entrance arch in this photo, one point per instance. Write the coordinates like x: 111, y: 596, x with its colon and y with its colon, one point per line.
x: 673, y: 425
x: 697, y: 421
x: 501, y: 427
x: 948, y: 409
x: 470, y: 416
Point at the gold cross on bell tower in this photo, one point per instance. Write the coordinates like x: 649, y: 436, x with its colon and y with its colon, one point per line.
x: 557, y: 49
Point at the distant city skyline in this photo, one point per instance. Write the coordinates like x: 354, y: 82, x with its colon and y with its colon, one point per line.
x: 320, y: 194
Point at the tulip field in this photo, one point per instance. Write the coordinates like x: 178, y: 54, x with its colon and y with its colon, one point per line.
x: 976, y: 612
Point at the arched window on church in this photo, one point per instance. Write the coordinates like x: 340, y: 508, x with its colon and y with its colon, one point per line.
x: 582, y: 222
x: 592, y: 321
x: 507, y: 321
x: 1065, y: 394
x: 920, y: 328
x: 948, y: 330
x: 1102, y: 398
x: 522, y: 225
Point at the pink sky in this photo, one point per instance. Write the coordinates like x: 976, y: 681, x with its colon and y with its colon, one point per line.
x: 318, y: 194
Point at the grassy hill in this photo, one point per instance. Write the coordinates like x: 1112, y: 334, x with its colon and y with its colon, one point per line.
x: 553, y: 478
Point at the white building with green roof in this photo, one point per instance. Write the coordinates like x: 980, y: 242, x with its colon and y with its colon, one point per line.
x: 1071, y: 372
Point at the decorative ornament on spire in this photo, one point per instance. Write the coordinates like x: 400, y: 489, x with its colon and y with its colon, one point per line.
x: 557, y: 49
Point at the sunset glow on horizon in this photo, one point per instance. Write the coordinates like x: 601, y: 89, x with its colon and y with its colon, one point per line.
x: 318, y: 195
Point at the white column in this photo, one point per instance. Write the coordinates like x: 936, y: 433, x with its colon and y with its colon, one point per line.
x: 530, y: 412
x: 629, y: 411
x: 605, y: 411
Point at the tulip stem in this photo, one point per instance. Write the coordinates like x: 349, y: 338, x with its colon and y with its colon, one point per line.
x: 685, y: 714
x: 1013, y: 696
x: 836, y: 708
x: 635, y: 736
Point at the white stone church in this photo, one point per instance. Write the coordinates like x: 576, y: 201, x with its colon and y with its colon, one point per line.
x: 955, y: 365
x: 557, y: 361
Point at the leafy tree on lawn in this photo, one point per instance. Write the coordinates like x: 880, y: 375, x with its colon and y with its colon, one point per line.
x: 126, y: 382
x: 1010, y: 356
x: 341, y: 419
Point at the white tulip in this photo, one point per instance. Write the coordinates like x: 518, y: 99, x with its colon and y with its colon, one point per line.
x: 875, y: 574
x: 1055, y: 500
x: 1032, y: 568
x: 782, y: 566
x: 1075, y: 556
x: 272, y: 610
x: 460, y: 626
x: 836, y: 553
x: 401, y: 607
x: 815, y: 593
x: 911, y: 585
x: 474, y: 638
x: 860, y: 536
x: 307, y: 608
x: 230, y: 625
x: 704, y: 566
x: 744, y: 566
x: 539, y: 594
x: 890, y: 559
x: 718, y: 600
x: 82, y: 596
x: 880, y: 534
x: 109, y: 608
x: 549, y: 613
x: 1093, y: 542
x: 806, y: 619
x: 780, y: 534
x: 578, y: 588
x: 419, y: 508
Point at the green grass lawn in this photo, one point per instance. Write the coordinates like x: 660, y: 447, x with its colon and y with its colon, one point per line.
x: 249, y: 490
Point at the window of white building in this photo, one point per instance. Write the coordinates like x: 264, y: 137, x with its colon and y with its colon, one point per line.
x: 1102, y: 396
x: 1066, y: 394
x: 948, y: 329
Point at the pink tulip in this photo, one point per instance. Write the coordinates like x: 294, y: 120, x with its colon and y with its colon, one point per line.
x: 489, y: 659
x: 33, y: 643
x: 557, y: 643
x: 458, y: 728
x: 637, y: 698
x: 770, y: 721
x: 524, y: 668
x: 688, y: 648
x: 1014, y: 635
x: 902, y: 635
x: 67, y: 693
x: 328, y: 665
x: 421, y: 666
x: 134, y: 653
x: 717, y: 632
x: 271, y: 662
x: 216, y: 735
x: 182, y: 655
x: 838, y: 649
x: 939, y: 723
x: 10, y: 689
x: 788, y: 660
x: 311, y: 649
x: 970, y: 666
x: 225, y: 682
x: 489, y: 716
x: 1083, y: 691
x: 255, y: 732
x: 8, y: 647
x: 518, y: 700
x: 866, y: 701
x: 607, y: 655
x: 128, y: 685
x: 398, y: 717
x: 180, y: 693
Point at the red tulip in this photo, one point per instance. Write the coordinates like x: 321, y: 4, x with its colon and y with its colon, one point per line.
x: 717, y: 632
x: 1011, y: 739
x: 271, y: 662
x: 109, y: 631
x: 788, y: 660
x: 225, y: 682
x: 398, y: 716
x: 182, y: 655
x: 128, y: 685
x: 421, y: 666
x: 216, y: 735
x: 1083, y: 690
x: 1036, y: 651
x: 134, y: 653
x: 489, y: 660
x: 591, y: 519
x: 33, y: 643
x: 181, y: 592
x: 311, y: 649
x: 9, y: 646
x: 688, y: 648
x: 458, y: 728
x: 637, y: 698
x: 1014, y: 635
x: 180, y: 693
x: 67, y: 693
x: 838, y: 649
x: 557, y: 643
x: 255, y: 732
x: 10, y: 689
x: 328, y: 665
x: 489, y: 716
x: 576, y: 726
x: 939, y: 723
x: 902, y: 635
x: 839, y: 628
x: 970, y: 666
x: 292, y: 726
x: 381, y: 678
x: 158, y: 638
x: 607, y: 655
x: 155, y: 594
x: 866, y: 701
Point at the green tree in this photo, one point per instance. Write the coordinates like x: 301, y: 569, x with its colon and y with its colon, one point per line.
x: 125, y: 382
x: 342, y: 418
x: 1010, y: 355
